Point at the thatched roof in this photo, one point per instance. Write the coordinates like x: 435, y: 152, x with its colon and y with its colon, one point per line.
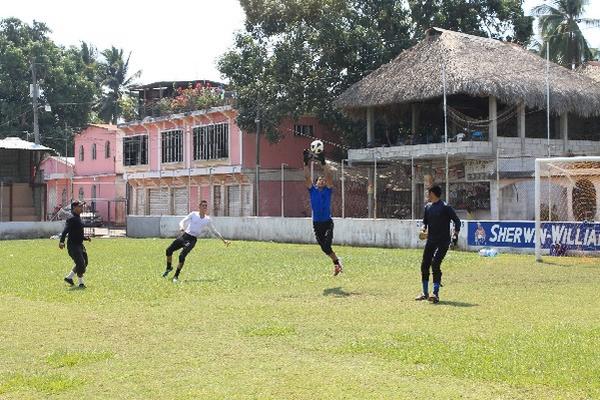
x: 475, y: 66
x: 591, y: 69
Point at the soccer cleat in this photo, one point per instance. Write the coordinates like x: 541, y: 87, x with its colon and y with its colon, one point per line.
x: 434, y: 298
x: 337, y: 269
x: 175, y: 280
x: 421, y: 297
x: 167, y: 271
x: 82, y: 286
x: 69, y: 281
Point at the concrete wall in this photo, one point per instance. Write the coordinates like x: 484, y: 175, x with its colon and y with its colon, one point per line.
x: 30, y: 230
x: 348, y: 231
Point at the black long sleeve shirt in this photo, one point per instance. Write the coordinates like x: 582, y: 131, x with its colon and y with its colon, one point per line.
x: 437, y: 219
x: 74, y: 228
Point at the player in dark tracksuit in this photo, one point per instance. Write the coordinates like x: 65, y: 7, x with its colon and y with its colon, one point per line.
x: 320, y: 202
x: 74, y: 229
x: 436, y: 222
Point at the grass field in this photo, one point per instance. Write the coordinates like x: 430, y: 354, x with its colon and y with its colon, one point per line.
x: 268, y: 321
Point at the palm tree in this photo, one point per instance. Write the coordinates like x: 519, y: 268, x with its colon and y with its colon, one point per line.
x: 115, y: 83
x: 559, y: 24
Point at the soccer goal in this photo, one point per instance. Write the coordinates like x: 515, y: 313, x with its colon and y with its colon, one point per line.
x: 567, y: 206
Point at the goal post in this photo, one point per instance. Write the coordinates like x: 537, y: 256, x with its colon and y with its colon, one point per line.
x: 567, y: 206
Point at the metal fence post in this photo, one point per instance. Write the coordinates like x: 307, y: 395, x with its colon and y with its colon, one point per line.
x: 343, y: 190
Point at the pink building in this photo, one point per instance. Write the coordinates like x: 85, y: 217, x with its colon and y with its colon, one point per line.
x: 95, y: 176
x: 58, y: 175
x: 172, y: 162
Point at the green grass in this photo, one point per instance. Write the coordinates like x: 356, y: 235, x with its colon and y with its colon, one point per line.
x: 268, y: 321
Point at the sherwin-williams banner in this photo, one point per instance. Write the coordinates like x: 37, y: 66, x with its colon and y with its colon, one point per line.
x: 580, y: 236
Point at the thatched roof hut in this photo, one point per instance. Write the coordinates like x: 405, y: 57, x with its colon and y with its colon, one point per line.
x: 591, y: 69
x: 474, y: 66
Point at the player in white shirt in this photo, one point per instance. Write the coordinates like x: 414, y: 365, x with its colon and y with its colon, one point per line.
x: 191, y: 227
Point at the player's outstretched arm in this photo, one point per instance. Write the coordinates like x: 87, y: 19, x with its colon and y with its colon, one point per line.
x: 61, y: 243
x: 328, y: 173
x: 455, y: 220
x: 183, y: 224
x: 218, y: 234
x: 306, y: 158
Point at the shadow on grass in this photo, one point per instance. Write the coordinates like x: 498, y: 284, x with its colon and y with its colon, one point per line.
x: 338, y: 292
x: 456, y: 303
x: 75, y: 289
x: 200, y: 280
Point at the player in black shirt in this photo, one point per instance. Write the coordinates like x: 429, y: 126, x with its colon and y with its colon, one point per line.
x: 436, y: 225
x: 74, y: 228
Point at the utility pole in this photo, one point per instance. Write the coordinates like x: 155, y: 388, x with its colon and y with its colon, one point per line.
x: 34, y: 95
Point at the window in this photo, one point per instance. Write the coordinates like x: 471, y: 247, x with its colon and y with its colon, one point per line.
x: 63, y: 197
x: 107, y: 149
x: 81, y: 153
x: 94, y: 151
x: 211, y: 142
x: 81, y: 194
x: 135, y: 150
x: 172, y: 146
x: 303, y: 130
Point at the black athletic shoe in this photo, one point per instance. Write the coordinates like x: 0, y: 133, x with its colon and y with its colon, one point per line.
x: 69, y: 281
x: 434, y: 298
x: 167, y: 271
x: 81, y: 286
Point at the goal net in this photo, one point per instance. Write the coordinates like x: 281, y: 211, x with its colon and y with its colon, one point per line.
x: 567, y: 206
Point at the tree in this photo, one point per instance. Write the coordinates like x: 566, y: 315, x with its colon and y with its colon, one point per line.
x: 65, y: 85
x: 503, y: 20
x: 562, y: 36
x: 296, y: 56
x: 116, y: 80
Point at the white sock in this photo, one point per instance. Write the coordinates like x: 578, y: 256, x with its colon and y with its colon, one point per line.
x: 80, y: 280
x: 71, y: 275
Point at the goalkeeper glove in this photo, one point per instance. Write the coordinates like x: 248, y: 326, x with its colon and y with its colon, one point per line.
x: 321, y: 158
x: 454, y: 239
x: 307, y: 155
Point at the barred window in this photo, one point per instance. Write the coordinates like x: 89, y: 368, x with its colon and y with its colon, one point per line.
x: 135, y: 150
x: 94, y: 151
x: 301, y: 130
x: 211, y: 142
x: 172, y: 146
x: 107, y: 149
x: 81, y: 153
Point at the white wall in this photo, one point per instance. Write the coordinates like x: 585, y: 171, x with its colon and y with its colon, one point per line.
x: 348, y: 231
x: 30, y: 230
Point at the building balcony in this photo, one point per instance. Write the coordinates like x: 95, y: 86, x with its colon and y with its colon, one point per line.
x: 514, y: 146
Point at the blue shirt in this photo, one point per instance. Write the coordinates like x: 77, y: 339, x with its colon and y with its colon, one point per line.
x: 320, y: 202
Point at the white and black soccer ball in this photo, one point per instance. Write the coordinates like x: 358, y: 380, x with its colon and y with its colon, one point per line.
x: 316, y: 147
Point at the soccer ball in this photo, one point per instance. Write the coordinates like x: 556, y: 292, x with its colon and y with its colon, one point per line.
x: 316, y: 147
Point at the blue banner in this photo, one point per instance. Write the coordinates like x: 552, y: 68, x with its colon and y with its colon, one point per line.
x: 569, y: 235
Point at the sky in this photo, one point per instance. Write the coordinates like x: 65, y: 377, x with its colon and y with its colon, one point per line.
x: 169, y: 40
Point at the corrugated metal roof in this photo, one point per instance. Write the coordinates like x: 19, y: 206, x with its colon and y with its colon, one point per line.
x: 15, y: 143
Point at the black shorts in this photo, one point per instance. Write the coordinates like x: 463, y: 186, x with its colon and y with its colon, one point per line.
x: 79, y: 255
x: 183, y: 241
x: 324, y: 235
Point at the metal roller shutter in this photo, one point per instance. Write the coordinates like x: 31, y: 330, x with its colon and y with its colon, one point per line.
x: 159, y: 202
x: 180, y: 200
x: 234, y: 201
x: 140, y: 198
x: 246, y: 196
